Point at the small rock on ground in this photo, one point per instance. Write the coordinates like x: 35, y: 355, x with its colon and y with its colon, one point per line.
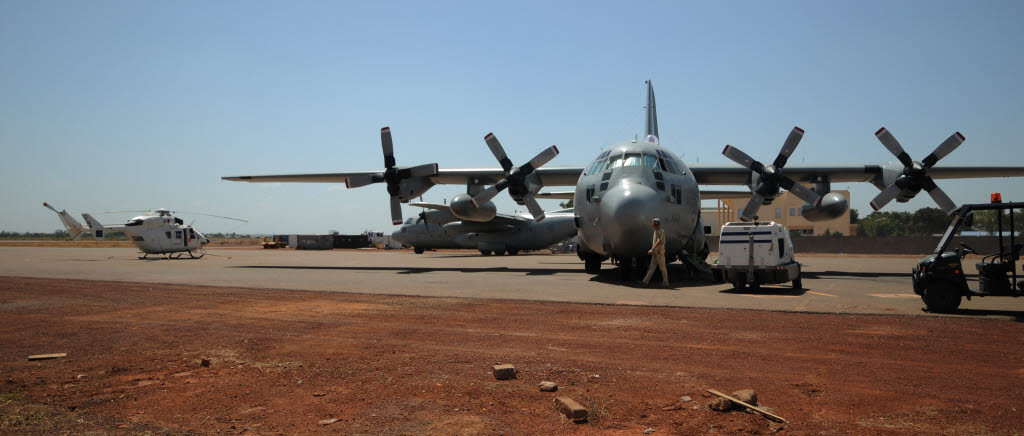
x: 747, y: 396
x: 546, y: 386
x: 720, y: 405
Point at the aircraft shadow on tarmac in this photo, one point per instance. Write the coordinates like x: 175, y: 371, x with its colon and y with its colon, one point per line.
x: 415, y: 270
x: 785, y: 290
x: 1014, y: 315
x: 851, y: 274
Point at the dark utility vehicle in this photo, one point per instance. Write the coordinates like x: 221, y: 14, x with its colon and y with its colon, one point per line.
x: 941, y: 280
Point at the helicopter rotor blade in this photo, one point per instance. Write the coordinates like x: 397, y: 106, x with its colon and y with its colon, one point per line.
x: 211, y: 215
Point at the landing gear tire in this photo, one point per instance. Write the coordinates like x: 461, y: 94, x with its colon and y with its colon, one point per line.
x: 592, y: 264
x: 740, y: 282
x: 485, y: 252
x: 417, y: 250
x: 626, y: 269
x: 513, y: 252
x: 941, y: 297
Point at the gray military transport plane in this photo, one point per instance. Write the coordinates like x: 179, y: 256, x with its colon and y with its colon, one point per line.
x: 440, y: 228
x: 626, y: 185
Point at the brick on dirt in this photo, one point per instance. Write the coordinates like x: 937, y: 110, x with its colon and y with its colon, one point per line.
x: 504, y: 372
x: 571, y: 409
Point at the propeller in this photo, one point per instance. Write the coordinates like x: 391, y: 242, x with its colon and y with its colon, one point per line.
x: 515, y: 177
x: 771, y: 175
x: 915, y: 174
x: 423, y: 216
x: 392, y: 175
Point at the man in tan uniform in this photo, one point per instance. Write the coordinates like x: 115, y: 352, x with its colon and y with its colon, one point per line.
x: 657, y: 253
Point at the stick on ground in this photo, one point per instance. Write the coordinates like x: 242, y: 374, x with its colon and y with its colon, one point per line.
x: 767, y: 414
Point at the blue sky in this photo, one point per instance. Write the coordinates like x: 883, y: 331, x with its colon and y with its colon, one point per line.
x: 129, y: 105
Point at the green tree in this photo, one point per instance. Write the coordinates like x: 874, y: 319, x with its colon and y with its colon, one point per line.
x: 566, y: 205
x: 854, y: 216
x: 928, y: 221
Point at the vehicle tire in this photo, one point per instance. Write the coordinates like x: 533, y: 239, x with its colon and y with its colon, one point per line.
x: 592, y: 264
x: 941, y: 296
x: 485, y: 252
x: 740, y: 282
x: 417, y: 250
x: 798, y: 284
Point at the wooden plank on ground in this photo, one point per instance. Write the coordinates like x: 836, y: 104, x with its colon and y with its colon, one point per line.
x: 47, y: 356
x: 766, y: 413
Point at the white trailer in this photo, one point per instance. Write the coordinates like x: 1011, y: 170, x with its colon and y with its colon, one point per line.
x: 755, y: 254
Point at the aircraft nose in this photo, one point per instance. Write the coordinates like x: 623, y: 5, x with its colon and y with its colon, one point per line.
x: 626, y: 213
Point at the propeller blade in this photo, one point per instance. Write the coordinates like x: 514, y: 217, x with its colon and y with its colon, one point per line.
x: 426, y: 170
x: 890, y: 142
x: 423, y: 215
x: 787, y: 148
x: 534, y: 208
x: 754, y: 205
x: 542, y: 158
x: 359, y: 181
x: 945, y: 203
x: 885, y: 196
x: 498, y: 151
x: 396, y: 210
x: 742, y: 158
x: 388, y: 146
x: 487, y: 194
x: 944, y: 149
x: 805, y: 193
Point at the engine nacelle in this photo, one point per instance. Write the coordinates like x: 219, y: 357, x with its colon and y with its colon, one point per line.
x: 413, y: 187
x: 462, y: 206
x: 832, y: 206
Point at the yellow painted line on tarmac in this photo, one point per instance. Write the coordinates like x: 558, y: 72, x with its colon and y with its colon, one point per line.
x: 819, y: 293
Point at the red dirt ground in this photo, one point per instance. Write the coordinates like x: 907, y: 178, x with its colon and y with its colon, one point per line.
x: 284, y: 360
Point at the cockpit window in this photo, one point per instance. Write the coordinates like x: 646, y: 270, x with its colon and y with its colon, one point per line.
x: 614, y: 162
x: 633, y: 160
x: 651, y: 161
x: 408, y: 221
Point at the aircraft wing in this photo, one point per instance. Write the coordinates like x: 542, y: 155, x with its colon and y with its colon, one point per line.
x: 729, y: 174
x: 555, y: 176
x: 722, y: 195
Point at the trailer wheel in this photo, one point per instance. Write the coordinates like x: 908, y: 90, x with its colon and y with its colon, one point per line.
x: 592, y: 264
x: 798, y: 284
x: 941, y: 296
x: 740, y: 282
x: 417, y: 250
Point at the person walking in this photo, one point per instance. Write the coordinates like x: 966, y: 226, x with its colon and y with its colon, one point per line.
x: 657, y: 253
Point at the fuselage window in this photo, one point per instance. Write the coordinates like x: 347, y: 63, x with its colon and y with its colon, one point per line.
x: 177, y: 234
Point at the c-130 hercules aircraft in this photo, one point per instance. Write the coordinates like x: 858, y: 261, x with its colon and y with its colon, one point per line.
x: 622, y: 189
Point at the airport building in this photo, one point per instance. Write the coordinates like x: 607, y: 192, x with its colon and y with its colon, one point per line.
x: 784, y: 210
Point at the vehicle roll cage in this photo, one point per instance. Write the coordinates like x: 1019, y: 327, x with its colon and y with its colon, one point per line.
x: 960, y: 215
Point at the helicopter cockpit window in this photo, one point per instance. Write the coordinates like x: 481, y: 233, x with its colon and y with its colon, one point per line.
x: 178, y: 221
x: 131, y: 223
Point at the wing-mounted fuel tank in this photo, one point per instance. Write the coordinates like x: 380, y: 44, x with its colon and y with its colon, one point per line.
x: 832, y: 206
x: 462, y: 206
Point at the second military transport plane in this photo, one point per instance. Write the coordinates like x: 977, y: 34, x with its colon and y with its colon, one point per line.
x: 624, y: 187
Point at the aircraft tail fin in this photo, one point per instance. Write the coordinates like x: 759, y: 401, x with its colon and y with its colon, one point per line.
x: 651, y: 129
x: 94, y: 225
x: 72, y: 225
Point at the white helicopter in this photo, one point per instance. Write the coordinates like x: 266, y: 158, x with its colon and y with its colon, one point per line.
x: 155, y: 232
